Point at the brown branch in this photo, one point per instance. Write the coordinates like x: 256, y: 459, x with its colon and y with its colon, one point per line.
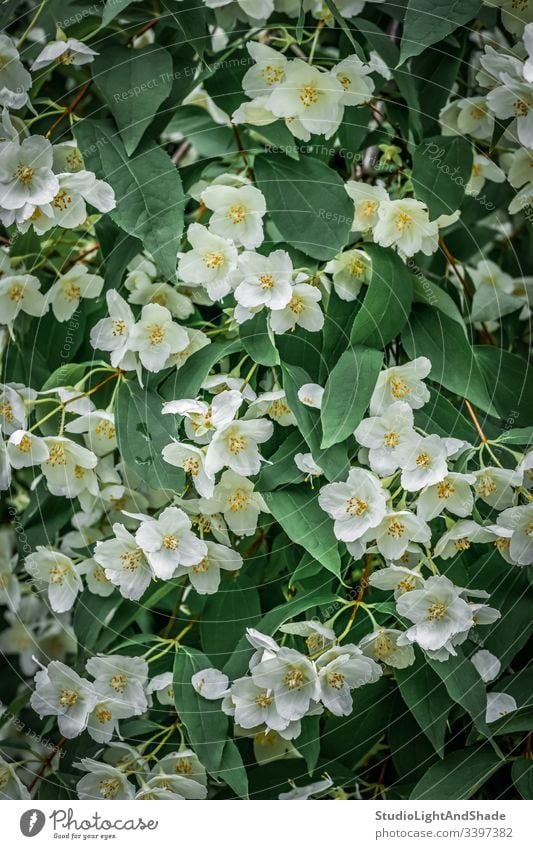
x: 476, y: 423
x: 68, y: 110
x: 451, y: 261
x: 46, y: 763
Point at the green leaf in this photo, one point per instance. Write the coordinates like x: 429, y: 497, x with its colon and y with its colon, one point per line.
x: 441, y: 169
x: 307, y: 202
x: 148, y: 190
x: 112, y: 9
x: 459, y: 775
x: 511, y: 380
x: 432, y: 334
x: 427, y: 292
x: 134, y: 83
x: 258, y: 340
x: 522, y: 775
x: 347, y: 393
x: 442, y: 417
x: 281, y: 468
x: 226, y: 616
x: 350, y: 738
x: 306, y: 524
x: 464, y: 686
x: 308, y: 742
x: 143, y: 432
x: 387, y: 302
x: 190, y: 22
x: 517, y: 436
x: 186, y: 381
x: 425, y: 695
x: 430, y: 21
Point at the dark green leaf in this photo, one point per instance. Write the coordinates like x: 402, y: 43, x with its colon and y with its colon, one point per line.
x: 441, y: 169
x: 347, y: 393
x: 459, y: 775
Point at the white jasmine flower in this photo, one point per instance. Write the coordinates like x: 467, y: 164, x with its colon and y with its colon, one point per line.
x: 210, y: 263
x: 453, y: 493
x: 69, y: 467
x: 235, y: 498
x: 113, y: 333
x: 192, y: 460
x: 124, y: 563
x: 20, y: 293
x: 266, y: 647
x: 67, y: 157
x: 255, y: 705
x: 68, y: 208
x: 162, y: 686
x: 367, y: 200
x: 483, y: 169
x: 200, y: 417
x: 103, y: 721
x: 274, y: 405
x: 163, y: 294
x: 103, y: 782
x: 474, y: 118
x: 401, y: 383
x: 167, y: 787
x: 316, y: 788
x: 498, y: 705
x: 311, y: 395
x: 156, y: 336
x: 99, y: 430
x: 398, y: 578
x: 95, y: 577
x: 519, y: 521
x: 293, y: 679
x: 460, y: 537
x: 493, y: 296
x: 438, y: 612
x: 121, y: 679
x: 68, y: 52
x: 353, y: 76
x: 58, y: 572
x: 424, y: 463
x: 268, y: 71
x: 307, y: 465
x: 168, y: 542
x: 235, y: 445
x: 237, y: 213
x: 310, y: 96
x: 26, y: 449
x: 184, y: 763
x: 405, y: 224
x: 70, y: 288
x: 514, y: 15
x: 15, y: 81
x: 350, y: 270
x: 26, y: 176
x: 340, y: 670
x: 396, y: 530
x: 383, y: 645
x: 205, y: 575
x: 210, y: 683
x: 12, y: 407
x: 302, y: 310
x: 11, y: 787
x: 266, y: 280
x: 387, y: 435
x: 514, y: 99
x: 486, y: 664
x: 521, y: 168
x: 318, y: 636
x: 356, y: 505
x: 59, y: 691
x: 494, y: 486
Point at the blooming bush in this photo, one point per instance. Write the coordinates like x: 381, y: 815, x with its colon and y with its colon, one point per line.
x: 267, y: 528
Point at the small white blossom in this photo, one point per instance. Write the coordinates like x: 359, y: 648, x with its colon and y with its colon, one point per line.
x: 356, y: 505
x: 367, y: 200
x: 453, y: 493
x: 210, y: 683
x: 120, y: 679
x: 438, y: 612
x: 69, y: 467
x: 59, y: 691
x: 124, y: 563
x: 237, y: 213
x: 21, y: 293
x: 205, y: 575
x: 486, y: 664
x: 405, y: 224
x: 210, y: 263
x: 401, y: 383
x: 66, y: 52
x: 26, y: 449
x: 168, y: 542
x: 302, y: 310
x: 156, y: 336
x: 59, y: 573
x: 113, y: 333
x: 498, y: 705
x: 15, y: 81
x: 387, y: 436
x: 460, y: 537
x: 235, y: 445
x: 383, y: 645
x: 340, y: 670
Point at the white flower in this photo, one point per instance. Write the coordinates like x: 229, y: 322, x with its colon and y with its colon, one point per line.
x: 191, y: 459
x: 69, y: 467
x: 59, y: 691
x: 102, y: 782
x: 211, y: 262
x: 483, y: 169
x: 59, y: 573
x: 12, y: 407
x: 498, y: 705
x: 124, y: 563
x: 168, y: 542
x: 26, y: 449
x: 383, y: 645
x: 210, y: 683
x: 356, y: 505
x: 113, y: 333
x: 438, y: 612
x: 253, y: 10
x: 460, y: 537
x: 340, y: 670
x: 235, y: 498
x: 350, y: 270
x: 304, y: 793
x: 156, y: 336
x: 302, y: 309
x: 353, y: 76
x: 68, y: 208
x: 95, y: 577
x: 20, y: 293
x: 205, y: 575
x: 494, y: 486
x: 120, y: 679
x: 469, y: 116
x: 514, y: 15
x: 98, y: 426
x: 237, y: 213
x: 184, y: 763
x: 103, y: 721
x: 397, y: 578
x: 265, y: 280
x: 167, y: 787
x: 68, y: 52
x: 424, y: 463
x: 387, y: 436
x: 311, y: 395
x: 70, y: 288
x: 405, y: 224
x: 200, y: 417
x: 293, y: 679
x: 486, y: 664
x: 255, y: 705
x: 396, y: 530
x: 163, y: 294
x: 235, y: 445
x: 453, y: 493
x: 401, y: 383
x: 14, y: 78
x: 26, y: 176
x: 367, y: 200
x: 274, y: 404
x: 519, y: 521
x: 318, y: 636
x: 11, y: 787
x: 310, y: 96
x: 514, y: 99
x: 307, y: 465
x: 162, y: 686
x: 268, y: 71
x: 493, y: 296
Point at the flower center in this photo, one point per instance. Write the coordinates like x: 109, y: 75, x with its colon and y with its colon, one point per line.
x: 70, y: 291
x: 213, y: 260
x: 131, y: 559
x: 294, y: 679
x: 277, y: 409
x: 118, y: 327
x: 485, y: 486
x: 68, y: 698
x: 267, y: 281
x: 423, y: 460
x: 170, y: 542
x: 445, y: 489
x: 237, y: 213
x: 436, y: 611
x: 236, y: 443
x: 156, y: 334
x: 202, y: 566
x: 62, y: 200
x: 183, y: 767
x: 272, y: 74
x: 25, y: 444
x: 396, y: 529
x: 399, y: 388
x: 297, y: 305
x: 57, y: 456
x: 118, y: 682
x: 462, y: 544
x: 103, y: 714
x: 308, y: 94
x: 108, y: 788
x: 263, y: 700
x: 345, y: 81
x: 336, y: 680
x: 368, y: 208
x: 24, y: 174
x: 356, y: 506
x: 391, y: 439
x: 239, y: 500
x: 402, y: 221
x: 16, y: 292
x: 520, y: 108
x: 191, y: 465
x: 105, y: 428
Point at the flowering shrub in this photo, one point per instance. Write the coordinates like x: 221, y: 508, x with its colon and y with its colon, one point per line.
x: 264, y: 320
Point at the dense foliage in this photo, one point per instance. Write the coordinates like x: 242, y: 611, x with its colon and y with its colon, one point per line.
x: 267, y: 528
